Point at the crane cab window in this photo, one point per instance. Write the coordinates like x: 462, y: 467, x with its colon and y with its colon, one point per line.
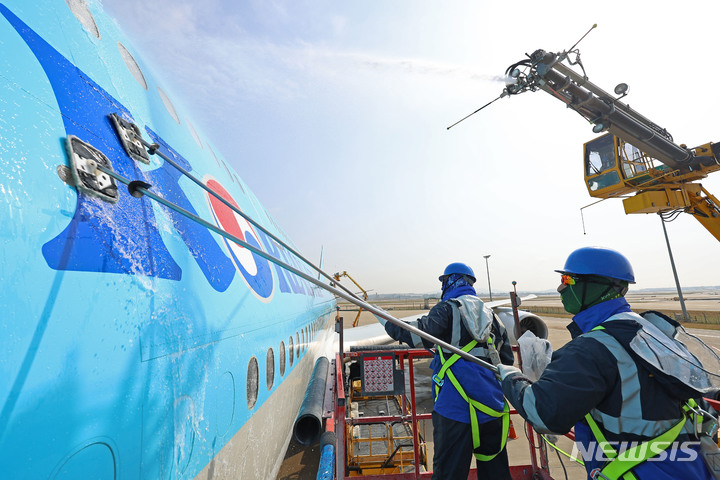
x: 633, y: 160
x: 599, y: 155
x: 601, y: 165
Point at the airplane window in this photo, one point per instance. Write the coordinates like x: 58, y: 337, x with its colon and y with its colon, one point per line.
x: 304, y: 342
x: 222, y: 164
x: 239, y: 183
x: 282, y: 358
x: 132, y: 65
x: 297, y: 345
x: 232, y: 179
x: 168, y: 105
x: 194, y: 134
x: 81, y: 11
x: 270, y: 368
x: 291, y: 352
x: 214, y: 156
x: 252, y: 383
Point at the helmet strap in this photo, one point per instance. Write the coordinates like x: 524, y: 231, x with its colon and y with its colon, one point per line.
x: 448, y: 286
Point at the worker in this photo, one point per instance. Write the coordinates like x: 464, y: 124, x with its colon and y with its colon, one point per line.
x: 630, y: 423
x: 470, y: 416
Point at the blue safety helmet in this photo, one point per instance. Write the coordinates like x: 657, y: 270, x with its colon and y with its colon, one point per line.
x: 460, y: 268
x: 600, y: 261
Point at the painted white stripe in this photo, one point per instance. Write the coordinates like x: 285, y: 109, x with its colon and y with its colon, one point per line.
x: 709, y: 335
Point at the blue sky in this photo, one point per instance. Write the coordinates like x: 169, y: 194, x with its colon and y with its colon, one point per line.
x: 335, y: 114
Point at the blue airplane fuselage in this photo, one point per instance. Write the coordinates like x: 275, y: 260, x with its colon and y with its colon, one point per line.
x: 136, y: 343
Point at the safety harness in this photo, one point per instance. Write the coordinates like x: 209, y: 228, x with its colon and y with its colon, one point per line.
x: 619, y: 465
x: 439, y: 380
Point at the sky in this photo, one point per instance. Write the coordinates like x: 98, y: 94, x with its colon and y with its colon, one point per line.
x: 335, y: 113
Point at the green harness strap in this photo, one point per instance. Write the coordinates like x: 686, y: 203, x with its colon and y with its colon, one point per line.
x: 447, y: 364
x: 619, y: 466
x: 473, y: 404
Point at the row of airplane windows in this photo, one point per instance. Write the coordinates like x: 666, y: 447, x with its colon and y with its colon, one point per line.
x: 293, y: 351
x: 81, y: 11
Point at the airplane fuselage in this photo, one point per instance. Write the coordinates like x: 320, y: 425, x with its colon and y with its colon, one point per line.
x: 136, y: 342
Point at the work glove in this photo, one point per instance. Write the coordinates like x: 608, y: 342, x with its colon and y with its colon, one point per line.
x: 506, y: 370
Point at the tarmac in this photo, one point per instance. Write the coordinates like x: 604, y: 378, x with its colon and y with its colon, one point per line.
x: 301, y: 463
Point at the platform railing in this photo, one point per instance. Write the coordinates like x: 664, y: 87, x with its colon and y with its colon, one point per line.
x: 538, y: 468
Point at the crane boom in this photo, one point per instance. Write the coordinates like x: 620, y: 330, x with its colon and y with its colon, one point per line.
x: 635, y: 155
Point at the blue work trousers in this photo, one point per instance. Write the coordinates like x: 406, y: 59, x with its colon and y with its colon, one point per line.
x: 453, y: 450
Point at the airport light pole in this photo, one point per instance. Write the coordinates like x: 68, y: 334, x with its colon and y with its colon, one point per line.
x: 672, y: 264
x: 487, y: 268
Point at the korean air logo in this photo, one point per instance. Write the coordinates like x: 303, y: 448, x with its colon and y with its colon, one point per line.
x: 255, y: 270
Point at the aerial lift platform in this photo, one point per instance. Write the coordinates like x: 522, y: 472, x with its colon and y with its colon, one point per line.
x: 371, y: 412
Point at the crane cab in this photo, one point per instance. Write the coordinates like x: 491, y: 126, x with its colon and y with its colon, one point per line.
x: 614, y: 167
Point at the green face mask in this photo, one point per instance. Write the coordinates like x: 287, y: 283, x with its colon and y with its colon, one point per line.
x: 570, y: 300
x: 585, y: 294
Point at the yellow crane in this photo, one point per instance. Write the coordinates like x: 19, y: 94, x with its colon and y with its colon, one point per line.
x: 636, y: 159
x: 365, y: 297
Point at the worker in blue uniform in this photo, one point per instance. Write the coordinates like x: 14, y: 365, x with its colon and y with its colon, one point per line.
x: 632, y: 420
x: 470, y: 416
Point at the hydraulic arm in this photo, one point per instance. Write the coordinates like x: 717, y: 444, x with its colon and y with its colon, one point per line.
x: 365, y: 296
x: 635, y: 156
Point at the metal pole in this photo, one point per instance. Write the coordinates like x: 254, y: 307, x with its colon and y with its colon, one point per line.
x: 143, y: 188
x: 672, y: 264
x: 487, y: 268
x: 153, y: 150
x: 515, y: 302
